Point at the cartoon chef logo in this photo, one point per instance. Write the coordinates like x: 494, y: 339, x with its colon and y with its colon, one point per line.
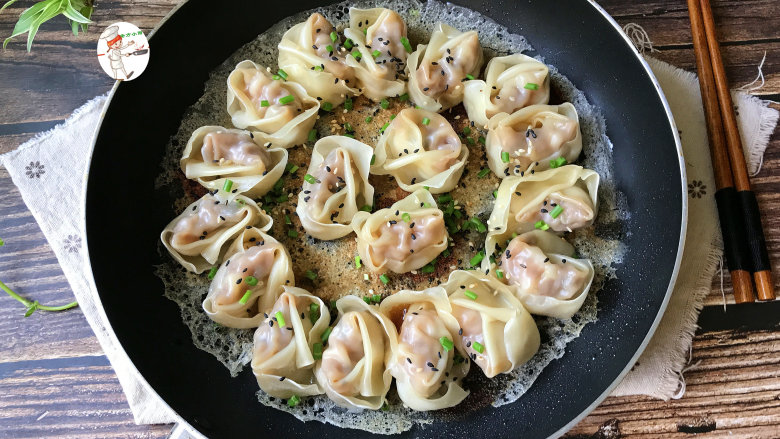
x: 123, y: 51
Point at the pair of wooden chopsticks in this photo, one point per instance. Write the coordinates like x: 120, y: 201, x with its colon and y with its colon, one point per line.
x: 740, y: 221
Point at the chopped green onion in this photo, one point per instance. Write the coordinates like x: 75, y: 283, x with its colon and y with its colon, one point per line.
x: 470, y: 294
x: 376, y: 53
x: 478, y: 224
x: 356, y: 54
x: 384, y: 103
x: 495, y: 194
x: 278, y: 185
x: 318, y: 68
x: 385, y: 407
x: 514, y: 234
x: 334, y: 36
x: 470, y: 141
x: 384, y: 127
x: 467, y: 130
x: 348, y: 44
x: 446, y: 198
x: 213, y: 272
x: 531, y: 86
x: 287, y: 99
x: 240, y: 201
x: 373, y: 159
x: 427, y: 188
x: 365, y: 31
x: 477, y: 259
x: 292, y: 233
x: 404, y: 97
x: 326, y: 334
x: 282, y: 198
x: 366, y: 208
x: 316, y: 351
x: 482, y: 139
x: 406, y: 217
x: 505, y: 157
x: 369, y: 119
x: 326, y: 106
x: 348, y: 127
x: 314, y: 313
x: 312, y: 135
x: 376, y: 298
x: 469, y: 76
x: 499, y: 274
x: 426, y: 121
x: 426, y: 204
x: 293, y: 401
x: 245, y: 298
x: 265, y: 103
x: 228, y: 185
x: 293, y: 168
x: 310, y: 275
x: 276, y: 77
x: 329, y: 48
x: 384, y: 278
x: 407, y: 46
x: 428, y: 269
x: 478, y: 347
x: 557, y: 163
x: 446, y: 343
x: 348, y: 104
x: 287, y: 220
x: 541, y: 225
x: 357, y: 261
x: 483, y: 172
x: 392, y: 116
x: 280, y: 319
x: 309, y: 178
x: 282, y: 73
x: 557, y: 211
x: 251, y: 281
x: 367, y: 300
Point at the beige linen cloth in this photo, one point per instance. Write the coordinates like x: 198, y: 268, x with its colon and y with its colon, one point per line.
x: 38, y: 169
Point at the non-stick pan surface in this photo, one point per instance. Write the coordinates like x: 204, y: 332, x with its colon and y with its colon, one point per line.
x: 124, y: 216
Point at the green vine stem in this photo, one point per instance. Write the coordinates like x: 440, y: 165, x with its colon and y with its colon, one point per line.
x: 34, y: 306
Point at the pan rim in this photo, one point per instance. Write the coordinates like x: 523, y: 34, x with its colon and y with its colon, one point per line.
x: 587, y: 410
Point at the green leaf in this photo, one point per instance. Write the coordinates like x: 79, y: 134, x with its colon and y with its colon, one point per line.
x: 7, y: 4
x: 31, y: 309
x: 52, y: 10
x: 75, y: 15
x: 74, y: 26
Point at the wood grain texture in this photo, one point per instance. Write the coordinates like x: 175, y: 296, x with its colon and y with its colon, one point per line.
x: 55, y: 384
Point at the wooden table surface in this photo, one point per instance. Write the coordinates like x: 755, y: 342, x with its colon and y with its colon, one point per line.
x: 56, y: 383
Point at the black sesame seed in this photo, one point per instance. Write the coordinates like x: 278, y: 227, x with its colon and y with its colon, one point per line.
x: 281, y: 379
x: 435, y: 370
x: 252, y: 239
x: 468, y: 344
x: 409, y: 360
x: 238, y: 281
x: 429, y: 364
x: 546, y: 259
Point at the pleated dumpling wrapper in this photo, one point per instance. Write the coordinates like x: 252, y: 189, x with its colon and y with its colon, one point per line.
x: 437, y: 71
x: 427, y: 364
x: 336, y: 187
x: 496, y: 331
x: 404, y: 237
x: 541, y: 270
x: 310, y: 54
x: 353, y: 371
x: 560, y: 200
x: 382, y: 75
x: 283, y: 354
x: 215, y: 154
x: 199, y: 237
x: 277, y: 107
x: 535, y: 138
x: 511, y: 83
x: 421, y: 149
x: 256, y: 268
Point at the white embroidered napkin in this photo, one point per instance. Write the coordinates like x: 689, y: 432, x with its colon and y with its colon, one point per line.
x: 40, y: 173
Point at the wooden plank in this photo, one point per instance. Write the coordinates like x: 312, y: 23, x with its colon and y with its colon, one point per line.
x: 732, y: 389
x: 68, y: 398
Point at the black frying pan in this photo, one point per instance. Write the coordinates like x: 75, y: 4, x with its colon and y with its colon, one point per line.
x: 124, y: 216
